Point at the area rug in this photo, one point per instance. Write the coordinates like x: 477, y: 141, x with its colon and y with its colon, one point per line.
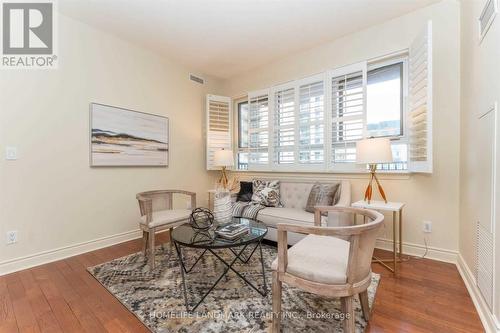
x: 156, y: 297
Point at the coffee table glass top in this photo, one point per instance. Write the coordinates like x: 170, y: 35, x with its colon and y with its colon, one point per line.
x: 190, y: 237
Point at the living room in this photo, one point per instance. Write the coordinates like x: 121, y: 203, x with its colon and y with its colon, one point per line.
x: 348, y: 147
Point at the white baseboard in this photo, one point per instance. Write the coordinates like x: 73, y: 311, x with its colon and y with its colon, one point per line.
x: 45, y: 257
x: 490, y: 322
x: 434, y: 253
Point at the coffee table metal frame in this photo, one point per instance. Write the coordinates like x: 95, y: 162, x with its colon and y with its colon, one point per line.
x: 238, y: 256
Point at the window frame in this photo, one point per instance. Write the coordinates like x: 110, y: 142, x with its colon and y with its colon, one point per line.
x: 404, y: 90
x: 404, y: 137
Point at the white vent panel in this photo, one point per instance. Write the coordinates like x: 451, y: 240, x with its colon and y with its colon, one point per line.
x: 484, y: 261
x: 196, y: 79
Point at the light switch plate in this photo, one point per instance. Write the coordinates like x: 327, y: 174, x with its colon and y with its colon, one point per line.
x: 11, y: 153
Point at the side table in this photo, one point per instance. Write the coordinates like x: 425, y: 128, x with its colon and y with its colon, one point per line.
x: 397, y: 229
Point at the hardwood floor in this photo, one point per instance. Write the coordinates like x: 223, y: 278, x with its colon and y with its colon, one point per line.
x: 427, y: 296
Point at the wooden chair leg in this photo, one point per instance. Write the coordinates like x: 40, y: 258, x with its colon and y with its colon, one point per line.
x: 348, y: 310
x: 365, y: 306
x: 152, y: 248
x: 170, y: 237
x: 276, y: 318
x: 145, y: 242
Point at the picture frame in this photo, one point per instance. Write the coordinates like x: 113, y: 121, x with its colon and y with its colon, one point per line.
x: 124, y: 137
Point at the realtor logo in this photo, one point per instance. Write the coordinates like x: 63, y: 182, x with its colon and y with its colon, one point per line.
x: 28, y: 35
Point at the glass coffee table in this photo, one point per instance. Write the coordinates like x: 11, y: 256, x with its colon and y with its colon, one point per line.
x: 187, y: 236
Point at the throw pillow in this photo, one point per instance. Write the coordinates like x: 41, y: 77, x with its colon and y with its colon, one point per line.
x: 266, y: 193
x: 321, y: 195
x: 246, y: 191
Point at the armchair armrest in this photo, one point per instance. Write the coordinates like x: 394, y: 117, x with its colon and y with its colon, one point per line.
x: 145, y: 200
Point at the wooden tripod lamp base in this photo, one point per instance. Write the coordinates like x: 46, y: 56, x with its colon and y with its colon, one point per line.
x: 369, y: 188
x: 223, y: 180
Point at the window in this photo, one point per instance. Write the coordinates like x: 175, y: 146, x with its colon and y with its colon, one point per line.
x: 348, y: 112
x: 242, y: 154
x: 363, y: 103
x: 385, y: 109
x: 284, y: 126
x: 385, y: 101
x: 313, y: 124
x: 258, y: 130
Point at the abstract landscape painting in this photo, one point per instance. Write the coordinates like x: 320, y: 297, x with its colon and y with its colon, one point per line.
x: 121, y: 137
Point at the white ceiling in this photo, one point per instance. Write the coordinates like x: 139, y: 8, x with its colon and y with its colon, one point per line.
x: 223, y: 38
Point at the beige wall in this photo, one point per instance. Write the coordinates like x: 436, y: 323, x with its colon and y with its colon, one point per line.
x: 428, y: 197
x: 50, y: 194
x: 480, y: 87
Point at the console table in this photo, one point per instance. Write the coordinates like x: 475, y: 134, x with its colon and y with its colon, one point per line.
x: 396, y: 208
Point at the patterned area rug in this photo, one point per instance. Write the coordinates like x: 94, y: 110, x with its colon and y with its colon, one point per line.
x: 156, y: 297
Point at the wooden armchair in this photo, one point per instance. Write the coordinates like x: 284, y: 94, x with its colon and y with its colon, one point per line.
x: 153, y: 220
x: 330, y: 261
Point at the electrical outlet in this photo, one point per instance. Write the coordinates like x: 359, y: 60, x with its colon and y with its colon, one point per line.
x: 11, y: 237
x: 427, y: 226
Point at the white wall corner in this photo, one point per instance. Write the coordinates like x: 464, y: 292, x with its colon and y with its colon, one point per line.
x: 491, y: 324
x: 17, y: 264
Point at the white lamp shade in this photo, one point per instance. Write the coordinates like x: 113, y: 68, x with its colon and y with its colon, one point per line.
x: 373, y: 151
x: 224, y: 158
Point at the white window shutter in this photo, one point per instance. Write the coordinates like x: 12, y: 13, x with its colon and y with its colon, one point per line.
x: 348, y: 112
x: 259, y: 127
x: 311, y: 121
x: 219, y: 125
x: 284, y: 125
x: 420, y: 102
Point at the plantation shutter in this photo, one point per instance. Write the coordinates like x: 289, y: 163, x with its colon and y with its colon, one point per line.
x: 420, y: 102
x: 348, y: 111
x: 284, y: 123
x: 311, y: 121
x: 258, y: 130
x: 219, y: 124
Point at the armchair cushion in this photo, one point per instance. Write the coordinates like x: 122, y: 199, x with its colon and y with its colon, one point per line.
x: 320, y: 259
x: 168, y: 216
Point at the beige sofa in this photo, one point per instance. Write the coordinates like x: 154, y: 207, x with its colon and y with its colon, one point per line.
x: 293, y: 196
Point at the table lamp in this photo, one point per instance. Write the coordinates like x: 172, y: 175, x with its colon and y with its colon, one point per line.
x: 223, y: 158
x: 372, y: 152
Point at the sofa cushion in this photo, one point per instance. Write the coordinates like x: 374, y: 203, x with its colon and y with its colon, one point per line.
x: 272, y: 216
x: 246, y: 191
x: 168, y: 216
x: 321, y: 195
x: 318, y: 258
x: 266, y: 193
